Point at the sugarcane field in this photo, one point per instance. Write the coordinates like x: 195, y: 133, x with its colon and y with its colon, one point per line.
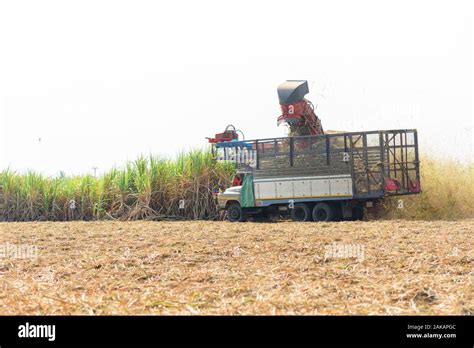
x: 186, y: 165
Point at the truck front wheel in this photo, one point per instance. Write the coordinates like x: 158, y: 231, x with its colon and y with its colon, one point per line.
x: 323, y: 212
x: 235, y: 213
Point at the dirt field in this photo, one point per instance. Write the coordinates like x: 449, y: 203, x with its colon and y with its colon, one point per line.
x: 391, y: 267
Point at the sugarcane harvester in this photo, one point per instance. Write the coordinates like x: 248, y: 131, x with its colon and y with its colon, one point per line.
x: 313, y: 176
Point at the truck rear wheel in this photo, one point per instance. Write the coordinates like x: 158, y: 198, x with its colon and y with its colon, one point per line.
x: 301, y: 212
x: 235, y: 213
x: 323, y: 212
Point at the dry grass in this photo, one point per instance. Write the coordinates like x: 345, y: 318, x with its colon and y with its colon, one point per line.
x: 207, y: 267
x: 447, y: 193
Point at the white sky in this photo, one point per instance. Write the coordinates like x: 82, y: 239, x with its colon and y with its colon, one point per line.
x: 101, y: 82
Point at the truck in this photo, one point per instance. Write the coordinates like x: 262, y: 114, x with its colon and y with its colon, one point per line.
x: 312, y: 175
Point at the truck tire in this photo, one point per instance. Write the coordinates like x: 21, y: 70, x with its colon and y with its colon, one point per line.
x: 323, y: 212
x: 301, y: 212
x: 235, y: 213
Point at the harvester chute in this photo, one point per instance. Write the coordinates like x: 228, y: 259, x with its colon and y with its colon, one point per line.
x: 297, y: 111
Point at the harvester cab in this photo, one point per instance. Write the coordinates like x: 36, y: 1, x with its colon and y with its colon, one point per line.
x: 229, y: 142
x: 297, y: 112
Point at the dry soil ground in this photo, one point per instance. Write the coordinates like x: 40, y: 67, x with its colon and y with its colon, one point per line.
x: 390, y: 267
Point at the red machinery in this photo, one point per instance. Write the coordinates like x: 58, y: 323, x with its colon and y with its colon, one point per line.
x: 298, y: 112
x: 229, y: 134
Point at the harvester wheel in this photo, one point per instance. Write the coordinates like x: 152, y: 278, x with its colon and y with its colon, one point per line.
x: 301, y: 212
x: 323, y: 212
x: 235, y: 213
